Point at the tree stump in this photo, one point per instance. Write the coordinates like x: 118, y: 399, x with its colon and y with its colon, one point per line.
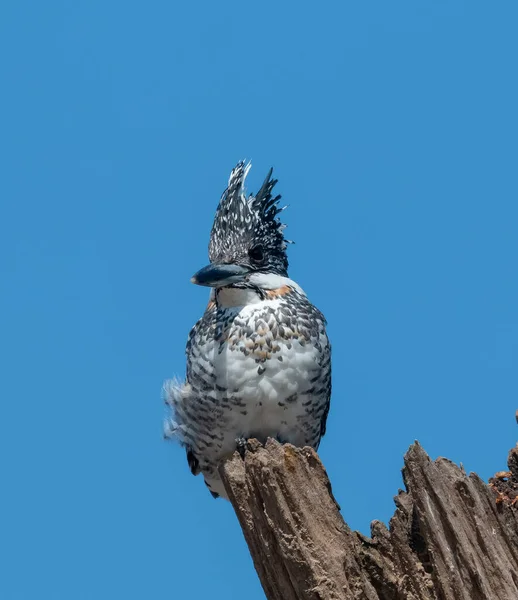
x: 452, y: 536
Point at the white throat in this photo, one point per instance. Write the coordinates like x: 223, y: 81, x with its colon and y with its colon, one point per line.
x: 229, y: 297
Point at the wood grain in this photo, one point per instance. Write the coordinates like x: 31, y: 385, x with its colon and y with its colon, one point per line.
x: 452, y: 537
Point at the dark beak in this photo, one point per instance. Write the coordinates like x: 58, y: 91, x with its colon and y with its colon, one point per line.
x: 220, y: 275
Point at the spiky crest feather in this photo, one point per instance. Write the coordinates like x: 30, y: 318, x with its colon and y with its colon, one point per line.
x: 242, y: 223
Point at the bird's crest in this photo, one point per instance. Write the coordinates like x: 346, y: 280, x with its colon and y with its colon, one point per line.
x: 242, y: 225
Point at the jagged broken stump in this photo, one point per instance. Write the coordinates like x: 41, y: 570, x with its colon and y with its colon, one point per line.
x: 452, y: 537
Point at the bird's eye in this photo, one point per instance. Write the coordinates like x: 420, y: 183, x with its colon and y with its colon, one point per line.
x: 256, y: 254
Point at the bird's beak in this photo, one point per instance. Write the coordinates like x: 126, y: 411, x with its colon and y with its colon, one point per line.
x: 219, y: 275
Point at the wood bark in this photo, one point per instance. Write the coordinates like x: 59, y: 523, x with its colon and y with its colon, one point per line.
x: 452, y: 536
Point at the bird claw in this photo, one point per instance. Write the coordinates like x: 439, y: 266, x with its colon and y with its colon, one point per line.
x: 241, y: 444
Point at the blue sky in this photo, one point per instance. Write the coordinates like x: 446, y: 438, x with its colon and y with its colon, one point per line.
x: 392, y: 128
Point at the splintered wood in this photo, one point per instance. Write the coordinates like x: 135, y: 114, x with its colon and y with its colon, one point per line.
x: 452, y: 536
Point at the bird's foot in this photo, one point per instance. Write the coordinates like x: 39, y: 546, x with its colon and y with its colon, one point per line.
x: 241, y: 444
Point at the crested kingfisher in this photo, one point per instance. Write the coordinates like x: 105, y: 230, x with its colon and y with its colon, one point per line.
x: 259, y: 359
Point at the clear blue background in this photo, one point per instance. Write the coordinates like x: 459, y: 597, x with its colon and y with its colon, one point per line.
x: 392, y: 127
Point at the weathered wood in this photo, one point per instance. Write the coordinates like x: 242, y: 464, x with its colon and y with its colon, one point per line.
x: 452, y: 536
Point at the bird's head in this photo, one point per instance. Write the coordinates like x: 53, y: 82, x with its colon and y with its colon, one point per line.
x: 247, y: 235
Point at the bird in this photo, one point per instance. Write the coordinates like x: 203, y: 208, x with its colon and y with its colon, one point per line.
x: 259, y: 359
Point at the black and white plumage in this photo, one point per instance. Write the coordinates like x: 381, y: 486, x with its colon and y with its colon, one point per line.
x: 259, y: 360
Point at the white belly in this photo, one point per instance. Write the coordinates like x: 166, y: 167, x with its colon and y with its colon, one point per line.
x: 272, y: 393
